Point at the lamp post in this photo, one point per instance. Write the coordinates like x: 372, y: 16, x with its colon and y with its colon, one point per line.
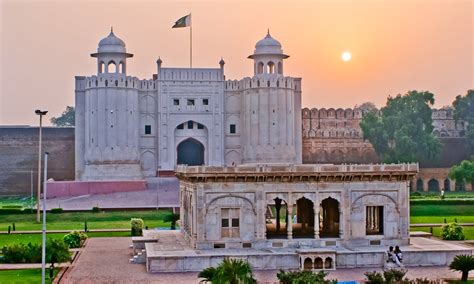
x: 43, y: 233
x: 40, y: 113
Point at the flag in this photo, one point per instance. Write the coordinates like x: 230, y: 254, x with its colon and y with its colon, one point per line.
x: 183, y: 22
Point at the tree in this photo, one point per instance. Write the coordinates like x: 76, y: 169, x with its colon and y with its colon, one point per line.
x: 368, y: 107
x: 229, y: 271
x: 171, y: 217
x: 463, y: 263
x: 67, y: 118
x: 464, y: 110
x: 57, y: 251
x: 464, y: 172
x: 402, y: 132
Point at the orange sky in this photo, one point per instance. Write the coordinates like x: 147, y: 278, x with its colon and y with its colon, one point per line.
x: 396, y: 46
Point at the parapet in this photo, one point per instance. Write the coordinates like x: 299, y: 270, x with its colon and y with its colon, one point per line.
x: 270, y: 81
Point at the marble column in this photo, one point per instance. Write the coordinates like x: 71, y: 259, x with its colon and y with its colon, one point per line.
x: 316, y: 220
x: 290, y: 222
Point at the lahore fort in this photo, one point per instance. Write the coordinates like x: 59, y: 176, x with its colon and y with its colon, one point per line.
x: 237, y: 153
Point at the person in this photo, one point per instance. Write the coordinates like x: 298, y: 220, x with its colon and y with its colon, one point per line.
x: 294, y: 219
x: 398, y: 253
x: 392, y: 256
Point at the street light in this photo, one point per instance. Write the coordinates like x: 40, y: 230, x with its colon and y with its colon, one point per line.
x: 40, y: 113
x: 43, y: 231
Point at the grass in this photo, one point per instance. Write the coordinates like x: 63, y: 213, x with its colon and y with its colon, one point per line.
x: 20, y: 202
x: 437, y: 213
x: 24, y: 276
x: 75, y: 220
x: 36, y: 238
x: 447, y: 195
x: 468, y: 231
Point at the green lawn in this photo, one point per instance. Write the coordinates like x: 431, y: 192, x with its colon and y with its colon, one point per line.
x: 468, y: 231
x: 24, y: 276
x: 75, y: 220
x: 447, y: 195
x: 21, y: 202
x: 437, y: 213
x: 36, y: 238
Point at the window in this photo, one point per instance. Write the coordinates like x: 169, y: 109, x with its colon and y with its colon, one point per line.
x: 374, y: 220
x: 147, y: 129
x: 176, y: 102
x: 190, y: 124
x: 181, y: 126
x: 230, y: 223
x: 200, y: 126
x: 232, y: 129
x: 190, y: 102
x: 205, y: 102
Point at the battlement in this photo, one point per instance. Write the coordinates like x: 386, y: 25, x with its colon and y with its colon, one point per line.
x: 269, y: 81
x: 190, y: 74
x: 113, y: 80
x: 338, y: 113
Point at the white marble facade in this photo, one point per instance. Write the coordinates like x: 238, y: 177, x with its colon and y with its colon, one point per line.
x: 128, y: 128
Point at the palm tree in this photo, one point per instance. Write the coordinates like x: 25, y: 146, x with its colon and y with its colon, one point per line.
x: 463, y: 263
x: 229, y: 271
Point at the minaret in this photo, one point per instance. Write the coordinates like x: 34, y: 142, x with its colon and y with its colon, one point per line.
x: 111, y: 115
x: 270, y: 106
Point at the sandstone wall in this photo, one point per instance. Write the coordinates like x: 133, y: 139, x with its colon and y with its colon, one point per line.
x: 19, y: 156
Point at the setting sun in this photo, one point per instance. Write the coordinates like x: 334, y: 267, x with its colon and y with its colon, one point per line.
x: 346, y: 56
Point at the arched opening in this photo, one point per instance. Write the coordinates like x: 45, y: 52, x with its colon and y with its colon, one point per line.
x: 328, y: 263
x: 122, y: 68
x: 276, y: 219
x: 190, y: 152
x: 329, y: 218
x: 447, y: 184
x: 303, y: 222
x: 280, y: 68
x: 308, y: 264
x: 270, y: 67
x: 101, y: 67
x: 318, y: 263
x: 419, y: 184
x: 433, y: 185
x: 260, y: 68
x: 111, y: 67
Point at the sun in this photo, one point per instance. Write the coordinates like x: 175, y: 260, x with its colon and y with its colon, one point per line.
x: 346, y: 56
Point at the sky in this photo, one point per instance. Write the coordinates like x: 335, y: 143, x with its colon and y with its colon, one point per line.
x: 396, y: 46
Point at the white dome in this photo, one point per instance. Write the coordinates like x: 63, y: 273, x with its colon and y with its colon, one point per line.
x: 268, y: 45
x: 111, y: 44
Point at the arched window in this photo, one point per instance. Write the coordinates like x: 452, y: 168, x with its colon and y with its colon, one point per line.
x: 270, y: 67
x: 280, y: 68
x: 122, y: 67
x: 111, y: 67
x: 260, y: 68
x: 101, y: 67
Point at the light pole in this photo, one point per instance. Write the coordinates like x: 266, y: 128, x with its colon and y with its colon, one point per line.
x: 43, y: 246
x: 40, y: 113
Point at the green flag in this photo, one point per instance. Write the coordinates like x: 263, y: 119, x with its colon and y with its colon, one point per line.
x: 183, y: 22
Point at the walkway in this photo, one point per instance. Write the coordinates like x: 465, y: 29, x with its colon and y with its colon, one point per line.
x: 105, y: 260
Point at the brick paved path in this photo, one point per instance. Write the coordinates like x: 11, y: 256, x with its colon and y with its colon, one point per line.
x: 105, y: 260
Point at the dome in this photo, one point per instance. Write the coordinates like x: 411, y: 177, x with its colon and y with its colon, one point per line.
x: 111, y: 44
x: 268, y: 45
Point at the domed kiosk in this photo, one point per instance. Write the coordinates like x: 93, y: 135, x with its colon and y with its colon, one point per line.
x: 268, y: 56
x: 111, y: 55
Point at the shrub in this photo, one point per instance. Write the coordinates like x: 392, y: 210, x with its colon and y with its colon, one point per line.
x: 394, y: 275
x: 452, y: 231
x: 75, y: 239
x: 171, y: 217
x: 374, y: 277
x: 21, y: 253
x: 229, y: 271
x: 57, y: 210
x: 463, y: 263
x: 136, y: 225
x: 415, y: 193
x: 57, y: 252
x: 95, y: 209
x: 302, y: 277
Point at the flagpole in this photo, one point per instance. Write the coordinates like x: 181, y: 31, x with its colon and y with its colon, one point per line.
x: 190, y: 42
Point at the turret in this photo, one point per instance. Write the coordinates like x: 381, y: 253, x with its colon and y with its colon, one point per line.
x: 268, y: 56
x: 111, y: 55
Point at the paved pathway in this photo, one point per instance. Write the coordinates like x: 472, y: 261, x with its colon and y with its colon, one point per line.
x: 62, y: 231
x: 105, y: 260
x: 134, y: 199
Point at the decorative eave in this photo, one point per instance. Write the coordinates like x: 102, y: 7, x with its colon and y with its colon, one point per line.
x: 298, y: 173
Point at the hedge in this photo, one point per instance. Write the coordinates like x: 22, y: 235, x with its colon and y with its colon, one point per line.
x: 442, y: 202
